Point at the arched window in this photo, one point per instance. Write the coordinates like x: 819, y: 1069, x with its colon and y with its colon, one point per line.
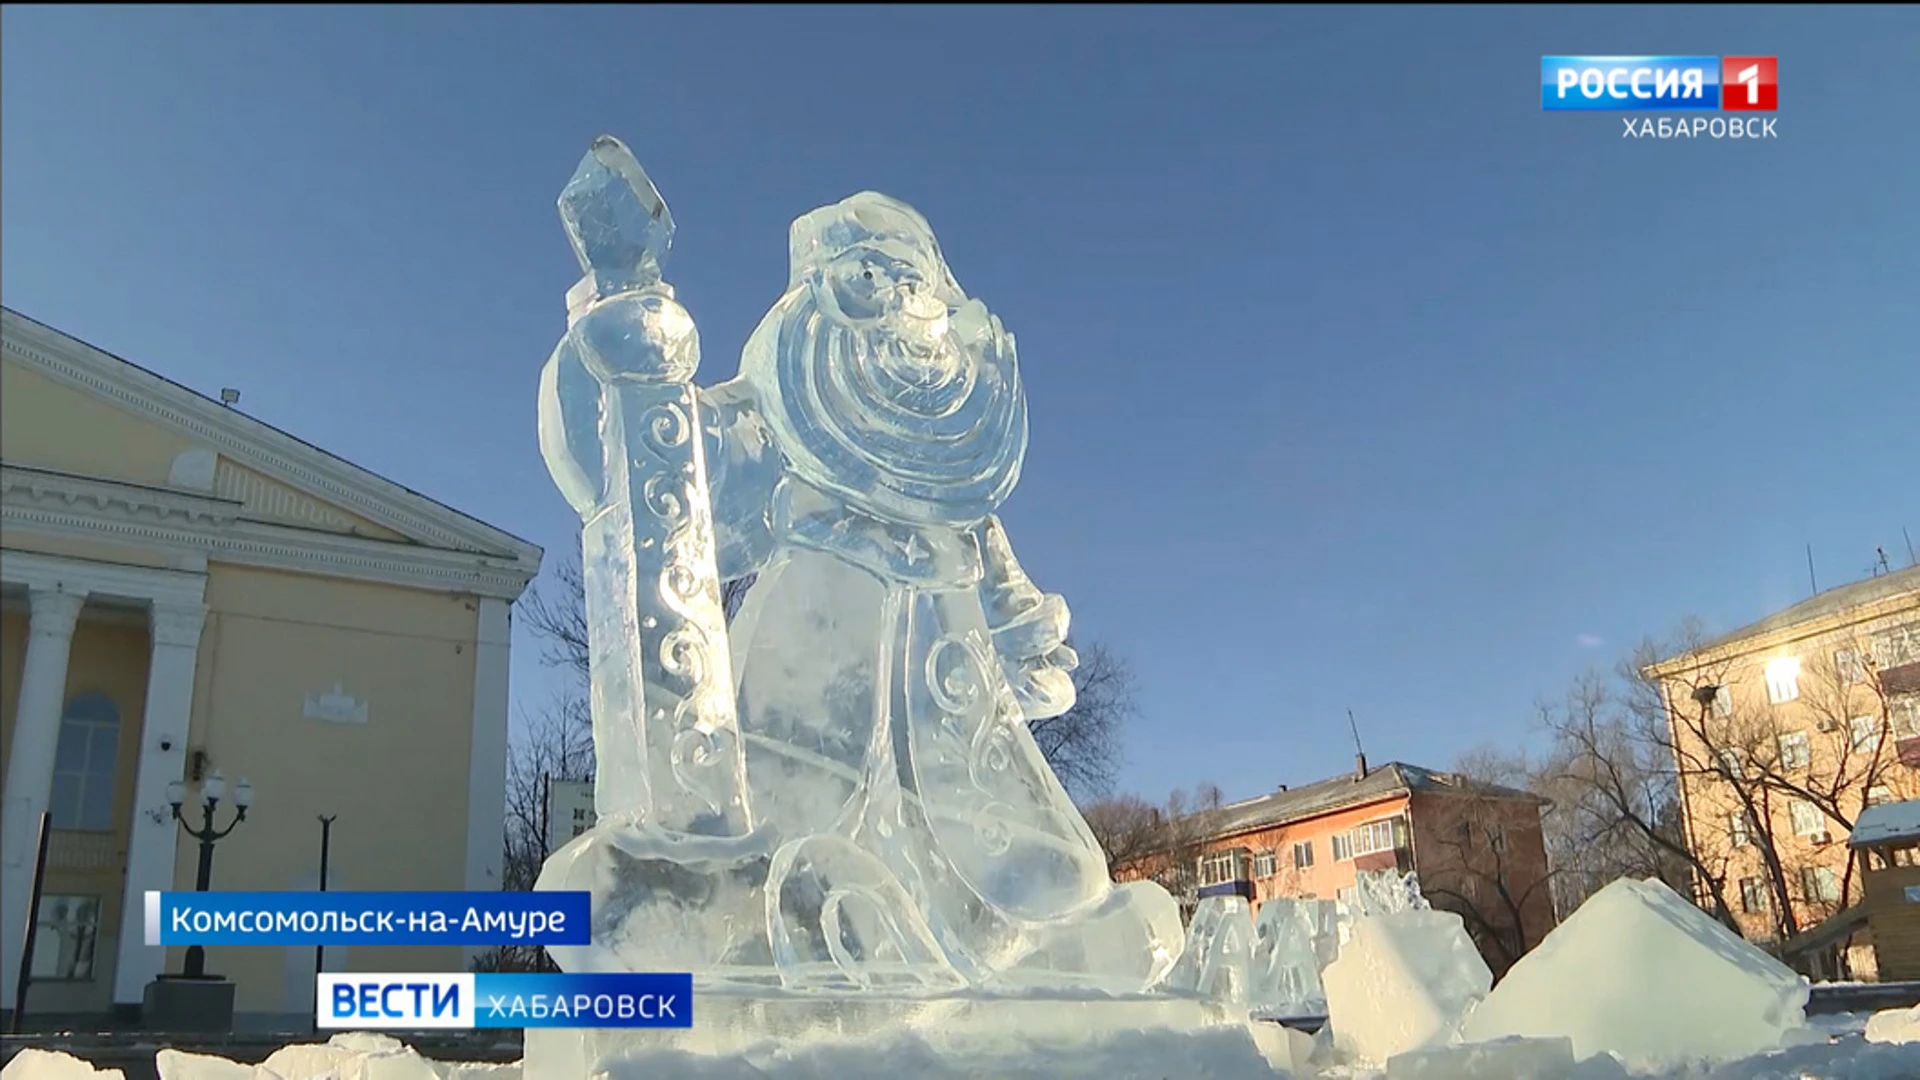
x: 86, y: 764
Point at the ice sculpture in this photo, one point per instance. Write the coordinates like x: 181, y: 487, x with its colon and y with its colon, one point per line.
x: 836, y: 793
x: 1403, y: 982
x: 1219, y: 950
x: 1383, y: 892
x: 1287, y: 947
x: 1639, y: 972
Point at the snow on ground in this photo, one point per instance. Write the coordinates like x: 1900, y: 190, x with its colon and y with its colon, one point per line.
x: 1837, y: 1050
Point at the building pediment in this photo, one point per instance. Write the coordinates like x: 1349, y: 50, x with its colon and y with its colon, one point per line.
x: 219, y: 476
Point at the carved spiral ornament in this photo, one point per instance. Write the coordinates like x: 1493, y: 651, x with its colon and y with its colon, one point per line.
x: 940, y: 446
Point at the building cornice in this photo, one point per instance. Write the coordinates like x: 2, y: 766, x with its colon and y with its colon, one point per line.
x: 175, y: 589
x: 201, y: 527
x: 1781, y: 637
x: 255, y: 444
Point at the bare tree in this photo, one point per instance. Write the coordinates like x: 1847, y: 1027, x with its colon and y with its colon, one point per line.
x: 1816, y: 761
x: 1616, y: 797
x: 1083, y: 743
x: 1502, y: 896
x: 1158, y: 843
x: 1127, y: 826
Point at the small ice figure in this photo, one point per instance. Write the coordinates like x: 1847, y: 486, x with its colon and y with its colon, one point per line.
x: 1219, y: 955
x: 838, y: 791
x: 1287, y: 959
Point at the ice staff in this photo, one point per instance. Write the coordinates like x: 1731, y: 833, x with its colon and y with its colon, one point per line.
x: 620, y: 430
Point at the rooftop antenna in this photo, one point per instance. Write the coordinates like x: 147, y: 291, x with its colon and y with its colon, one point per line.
x: 1911, y: 561
x: 1880, y: 566
x: 1359, y: 752
x: 229, y: 396
x: 1811, y: 580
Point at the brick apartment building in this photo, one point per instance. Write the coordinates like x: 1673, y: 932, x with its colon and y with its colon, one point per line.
x: 1782, y: 732
x: 1477, y: 847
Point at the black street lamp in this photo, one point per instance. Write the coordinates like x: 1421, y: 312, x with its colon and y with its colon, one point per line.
x: 211, y: 793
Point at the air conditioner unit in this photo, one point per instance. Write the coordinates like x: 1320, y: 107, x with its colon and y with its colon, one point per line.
x: 1821, y: 837
x: 1827, y: 723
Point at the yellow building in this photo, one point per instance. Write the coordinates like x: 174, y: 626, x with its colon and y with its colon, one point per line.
x: 189, y: 590
x: 1782, y: 733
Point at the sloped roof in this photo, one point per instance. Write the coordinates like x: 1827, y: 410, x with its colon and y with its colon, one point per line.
x: 1886, y: 823
x: 1339, y: 792
x: 1834, y: 601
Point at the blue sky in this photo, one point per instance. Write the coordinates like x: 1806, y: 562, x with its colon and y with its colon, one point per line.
x: 1356, y: 380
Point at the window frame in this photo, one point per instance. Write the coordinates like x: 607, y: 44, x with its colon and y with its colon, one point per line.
x: 1303, y: 854
x: 1269, y: 859
x: 1812, y: 814
x: 1815, y: 894
x: 51, y: 927
x: 1753, y: 896
x: 89, y: 714
x: 1801, y: 757
x: 1854, y: 729
x: 1782, y: 676
x: 1739, y: 829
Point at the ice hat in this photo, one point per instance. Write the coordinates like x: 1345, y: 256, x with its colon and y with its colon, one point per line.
x: 868, y: 219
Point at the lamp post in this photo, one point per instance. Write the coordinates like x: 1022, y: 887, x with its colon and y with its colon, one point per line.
x: 211, y: 792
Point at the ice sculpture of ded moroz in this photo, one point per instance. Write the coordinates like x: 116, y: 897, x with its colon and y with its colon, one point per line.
x: 838, y: 791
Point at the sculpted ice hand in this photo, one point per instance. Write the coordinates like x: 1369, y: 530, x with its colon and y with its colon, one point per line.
x: 1029, y: 629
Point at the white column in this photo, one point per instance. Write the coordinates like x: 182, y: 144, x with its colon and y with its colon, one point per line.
x: 163, y: 749
x: 487, y: 760
x: 36, y: 734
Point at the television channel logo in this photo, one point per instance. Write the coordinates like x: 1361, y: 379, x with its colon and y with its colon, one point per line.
x: 1660, y: 83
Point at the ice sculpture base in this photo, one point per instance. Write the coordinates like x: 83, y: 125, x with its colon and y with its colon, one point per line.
x: 957, y: 1027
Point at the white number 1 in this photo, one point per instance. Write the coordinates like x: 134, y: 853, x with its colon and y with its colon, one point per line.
x: 1751, y: 76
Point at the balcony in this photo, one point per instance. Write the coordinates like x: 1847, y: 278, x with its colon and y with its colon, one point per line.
x: 1901, y: 679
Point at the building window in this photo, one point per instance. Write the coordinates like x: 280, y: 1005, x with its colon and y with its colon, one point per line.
x: 1753, y: 895
x: 1904, y: 714
x: 1806, y: 818
x: 1383, y: 835
x: 1846, y: 662
x: 1865, y: 731
x: 1303, y: 854
x: 1795, y: 752
x: 1732, y: 766
x: 63, y: 944
x: 1264, y: 864
x: 1897, y: 647
x: 1723, y: 700
x: 1739, y: 829
x: 1820, y: 885
x: 1879, y: 793
x: 1219, y: 868
x: 1783, y: 679
x: 1342, y: 847
x: 85, y: 764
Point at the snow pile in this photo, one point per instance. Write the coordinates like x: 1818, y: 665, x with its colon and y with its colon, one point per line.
x: 1504, y: 1059
x: 1402, y: 982
x: 36, y: 1064
x: 1894, y: 1026
x: 1641, y: 973
x: 179, y: 1065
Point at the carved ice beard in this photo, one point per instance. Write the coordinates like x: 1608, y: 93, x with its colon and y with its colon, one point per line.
x: 923, y: 429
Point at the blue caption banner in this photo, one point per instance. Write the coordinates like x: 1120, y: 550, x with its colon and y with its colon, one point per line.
x: 367, y: 918
x: 410, y: 1001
